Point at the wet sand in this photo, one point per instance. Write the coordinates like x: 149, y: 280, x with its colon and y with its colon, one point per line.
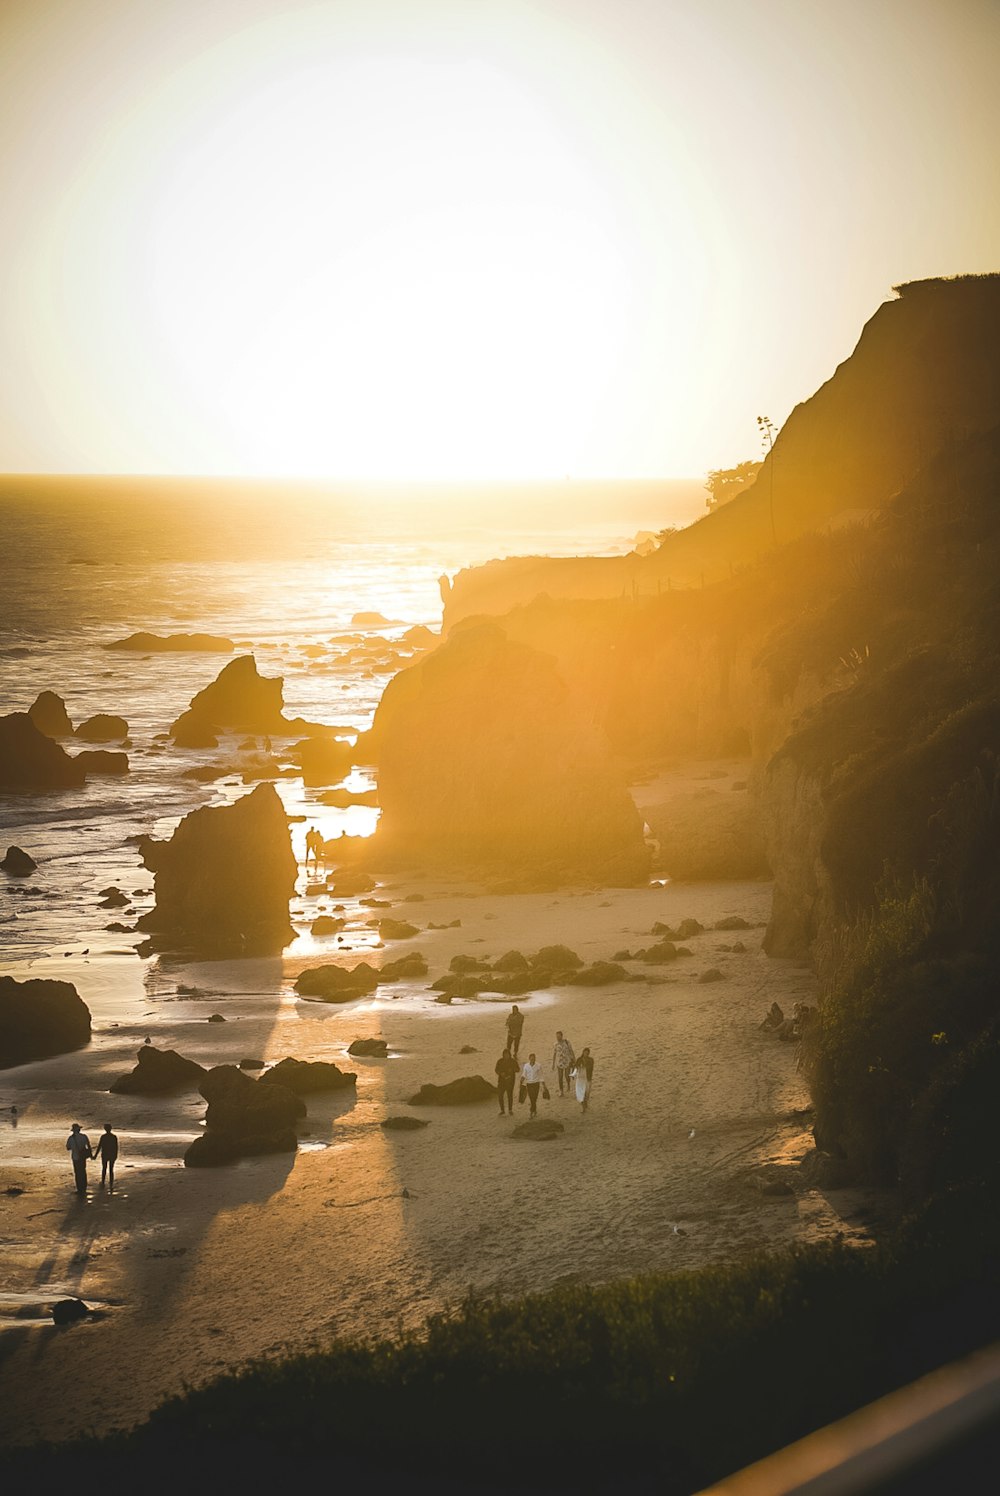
x: 364, y: 1232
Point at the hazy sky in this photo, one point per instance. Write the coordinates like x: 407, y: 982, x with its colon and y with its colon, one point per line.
x: 492, y: 238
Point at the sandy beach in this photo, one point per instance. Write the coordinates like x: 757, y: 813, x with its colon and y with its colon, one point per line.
x: 364, y: 1231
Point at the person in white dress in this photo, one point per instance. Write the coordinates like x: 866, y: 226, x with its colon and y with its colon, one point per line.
x: 583, y: 1075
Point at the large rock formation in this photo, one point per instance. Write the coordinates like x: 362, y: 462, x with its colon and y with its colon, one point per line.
x: 159, y: 1071
x: 224, y: 879
x: 174, y: 644
x: 48, y: 712
x: 103, y: 727
x: 486, y: 758
x: 29, y: 760
x: 303, y: 1077
x: 40, y: 1018
x: 238, y: 700
x: 244, y: 1119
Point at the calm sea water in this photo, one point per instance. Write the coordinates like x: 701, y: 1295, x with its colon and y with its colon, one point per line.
x: 282, y: 571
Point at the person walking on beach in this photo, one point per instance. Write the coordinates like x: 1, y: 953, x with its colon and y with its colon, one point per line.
x: 515, y: 1027
x: 583, y: 1074
x: 506, y: 1070
x: 563, y: 1061
x: 79, y: 1149
x: 531, y: 1074
x: 107, y: 1152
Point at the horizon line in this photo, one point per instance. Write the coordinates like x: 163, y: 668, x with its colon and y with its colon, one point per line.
x: 319, y: 481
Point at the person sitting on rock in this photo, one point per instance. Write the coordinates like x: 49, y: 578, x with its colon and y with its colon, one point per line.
x: 532, y: 1075
x: 515, y: 1027
x: 506, y: 1070
x: 107, y: 1152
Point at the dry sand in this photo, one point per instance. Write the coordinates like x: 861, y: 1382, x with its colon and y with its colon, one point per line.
x: 364, y: 1231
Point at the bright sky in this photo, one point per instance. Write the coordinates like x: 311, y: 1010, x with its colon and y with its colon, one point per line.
x: 456, y: 238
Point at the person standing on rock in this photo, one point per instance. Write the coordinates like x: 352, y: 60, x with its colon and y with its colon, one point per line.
x: 107, y: 1152
x: 532, y: 1075
x: 79, y: 1149
x: 515, y: 1027
x: 563, y: 1061
x: 506, y: 1070
x: 583, y: 1074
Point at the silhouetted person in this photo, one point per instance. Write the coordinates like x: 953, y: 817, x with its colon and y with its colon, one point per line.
x: 515, y: 1027
x: 107, y: 1152
x: 583, y: 1074
x: 506, y: 1070
x: 531, y: 1074
x: 79, y: 1150
x: 563, y: 1061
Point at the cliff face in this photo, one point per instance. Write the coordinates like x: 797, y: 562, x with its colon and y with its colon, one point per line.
x: 924, y: 376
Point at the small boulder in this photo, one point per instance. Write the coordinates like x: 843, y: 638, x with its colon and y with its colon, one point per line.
x: 69, y: 1311
x: 337, y: 984
x: 397, y: 929
x: 468, y: 1049
x: 403, y: 968
x: 215, y: 1018
x: 327, y: 924
x: 663, y: 951
x: 48, y: 712
x: 17, y: 863
x: 538, y: 1129
x: 102, y: 762
x: 377, y: 1048
x: 104, y: 727
x: 306, y: 1076
x: 600, y: 974
x: 731, y: 922
x: 468, y: 1089
x: 556, y: 958
x: 713, y: 974
x: 114, y: 899
x: 466, y: 964
x: 404, y: 1124
x: 511, y: 961
x: 159, y: 1071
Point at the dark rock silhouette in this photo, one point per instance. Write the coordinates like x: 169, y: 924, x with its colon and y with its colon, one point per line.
x: 469, y: 1088
x: 337, y: 984
x: 413, y: 965
x: 224, y: 880
x: 157, y: 1071
x: 69, y: 1311
x: 238, y: 700
x: 396, y: 929
x: 600, y: 974
x: 174, y: 643
x: 104, y: 727
x: 40, y: 1018
x: 538, y: 1129
x: 244, y: 1119
x: 306, y: 1076
x: 29, y: 760
x: 48, y: 712
x: 17, y: 863
x: 555, y: 958
x: 404, y: 1124
x: 327, y: 924
x: 375, y: 1047
x: 101, y: 761
x: 322, y: 760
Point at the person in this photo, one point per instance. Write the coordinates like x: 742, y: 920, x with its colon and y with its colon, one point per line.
x: 79, y: 1150
x: 531, y: 1074
x: 583, y: 1074
x: 310, y: 844
x: 563, y: 1061
x: 107, y: 1152
x: 515, y: 1027
x: 506, y: 1069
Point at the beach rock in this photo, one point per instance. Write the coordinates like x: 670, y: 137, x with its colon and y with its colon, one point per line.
x: 465, y: 964
x: 101, y: 761
x: 17, y: 863
x: 327, y: 924
x: 216, y: 1148
x: 189, y: 732
x: 69, y: 1311
x: 159, y: 1070
x: 347, y: 884
x: 244, y: 1119
x: 238, y: 700
x: 511, y: 961
x: 468, y: 1089
x: 114, y: 899
x: 600, y: 974
x: 468, y: 1049
x: 337, y: 984
x: 624, y: 955
x: 369, y: 620
x: 516, y: 983
x: 48, y: 712
x: 556, y: 958
x: 215, y: 1018
x: 731, y: 922
x: 30, y: 761
x: 104, y: 727
x: 404, y: 1124
x: 538, y: 1129
x: 224, y: 880
x: 174, y: 644
x: 444, y: 998
x: 39, y: 1018
x: 375, y: 1047
x: 452, y: 924
x: 684, y: 931
x: 321, y: 760
x: 305, y: 1076
x: 404, y: 967
x: 396, y: 929
x: 454, y: 985
x: 713, y: 974
x: 251, y: 1064
x: 664, y: 950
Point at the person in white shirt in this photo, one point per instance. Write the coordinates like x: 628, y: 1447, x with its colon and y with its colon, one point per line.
x: 532, y: 1075
x: 563, y: 1061
x: 79, y: 1149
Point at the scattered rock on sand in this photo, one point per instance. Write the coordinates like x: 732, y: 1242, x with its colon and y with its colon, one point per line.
x: 327, y: 924
x: 468, y: 1049
x: 244, y: 1119
x: 413, y: 965
x: 453, y: 985
x: 102, y: 761
x: 174, y: 643
x: 337, y: 984
x: 539, y: 1129
x: 215, y: 1018
x: 713, y: 974
x: 48, y: 712
x: 731, y: 922
x: 511, y: 961
x: 463, y: 965
x: 305, y: 1076
x: 556, y: 958
x: 31, y: 761
x: 346, y: 884
x: 600, y: 974
x: 157, y: 1071
x: 469, y: 1088
x: 378, y: 1048
x: 404, y: 1124
x: 68, y: 1311
x: 396, y: 929
x: 664, y: 950
x: 17, y: 863
x: 224, y: 880
x: 39, y: 1018
x: 104, y: 727
x: 684, y: 931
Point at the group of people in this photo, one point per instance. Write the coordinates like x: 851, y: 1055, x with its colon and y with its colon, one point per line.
x: 574, y: 1072
x: 79, y: 1149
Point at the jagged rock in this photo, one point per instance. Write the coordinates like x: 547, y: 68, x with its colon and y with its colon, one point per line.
x: 556, y: 958
x: 244, y: 1119
x: 305, y: 1076
x: 378, y: 1048
x: 114, y: 899
x: 600, y: 974
x: 404, y: 1124
x: 327, y: 924
x: 713, y: 974
x: 17, y: 863
x: 731, y: 922
x: 403, y: 968
x: 538, y: 1129
x: 48, y: 712
x: 104, y: 727
x: 664, y: 950
x: 469, y: 1088
x: 684, y: 931
x: 100, y: 761
x: 463, y: 965
x: 31, y: 761
x: 159, y: 1070
x: 396, y: 929
x: 39, y: 1018
x: 238, y: 700
x: 174, y: 644
x: 511, y: 961
x: 337, y: 984
x: 224, y: 880
x: 69, y: 1311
